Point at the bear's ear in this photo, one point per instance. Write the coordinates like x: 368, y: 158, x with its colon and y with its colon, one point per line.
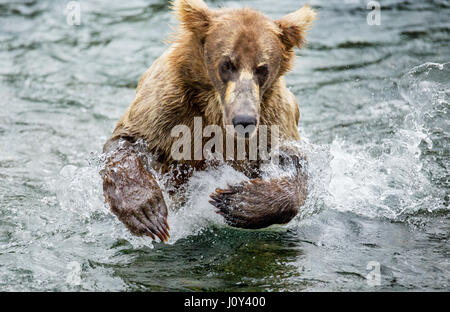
x: 294, y: 26
x: 194, y: 15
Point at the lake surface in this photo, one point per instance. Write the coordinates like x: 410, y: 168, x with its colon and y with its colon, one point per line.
x: 374, y: 121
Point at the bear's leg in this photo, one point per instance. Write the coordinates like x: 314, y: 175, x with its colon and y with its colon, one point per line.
x: 259, y: 203
x: 132, y: 192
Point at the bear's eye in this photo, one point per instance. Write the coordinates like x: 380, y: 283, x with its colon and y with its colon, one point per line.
x: 226, y: 70
x: 262, y: 72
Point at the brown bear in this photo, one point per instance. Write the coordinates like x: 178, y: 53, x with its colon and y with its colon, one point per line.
x: 225, y: 66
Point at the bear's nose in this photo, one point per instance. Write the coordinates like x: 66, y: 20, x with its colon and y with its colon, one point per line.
x: 245, y: 121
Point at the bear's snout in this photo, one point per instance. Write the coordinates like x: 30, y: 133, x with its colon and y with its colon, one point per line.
x: 244, y: 124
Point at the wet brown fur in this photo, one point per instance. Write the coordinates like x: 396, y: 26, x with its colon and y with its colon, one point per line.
x: 177, y: 87
x: 184, y: 83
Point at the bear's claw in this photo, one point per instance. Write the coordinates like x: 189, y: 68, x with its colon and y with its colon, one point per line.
x: 139, y: 224
x: 227, y: 203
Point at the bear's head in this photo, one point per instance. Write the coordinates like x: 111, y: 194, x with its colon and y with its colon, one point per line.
x: 243, y: 53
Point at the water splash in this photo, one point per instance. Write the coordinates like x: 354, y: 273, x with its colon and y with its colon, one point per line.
x: 197, y: 213
x: 388, y: 179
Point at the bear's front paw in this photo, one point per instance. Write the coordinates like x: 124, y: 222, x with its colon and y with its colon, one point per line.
x: 141, y: 209
x: 256, y: 204
x: 136, y: 199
